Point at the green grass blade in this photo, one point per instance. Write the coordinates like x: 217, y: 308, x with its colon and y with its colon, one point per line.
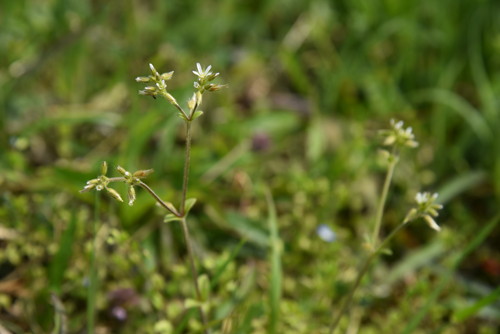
x: 477, y: 306
x: 460, y: 184
x: 61, y: 259
x: 458, y: 104
x: 476, y: 242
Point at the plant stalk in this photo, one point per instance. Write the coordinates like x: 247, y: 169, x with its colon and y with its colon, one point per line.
x: 92, y: 290
x: 194, y: 272
x: 383, y: 199
x: 187, y: 161
x: 185, y: 229
x: 347, y: 302
x: 168, y: 207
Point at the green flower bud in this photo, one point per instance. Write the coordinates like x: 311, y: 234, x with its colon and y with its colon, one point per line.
x: 104, y: 168
x: 131, y: 195
x: 143, y: 173
x: 143, y: 79
x: 114, y: 194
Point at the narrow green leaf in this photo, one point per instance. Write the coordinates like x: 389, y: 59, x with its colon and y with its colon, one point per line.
x: 466, y: 313
x: 189, y: 204
x: 204, y: 284
x: 170, y: 218
x: 477, y: 240
x: 460, y: 184
x: 61, y: 259
x: 197, y: 114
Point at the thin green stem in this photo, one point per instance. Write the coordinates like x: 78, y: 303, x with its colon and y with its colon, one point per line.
x: 347, y: 302
x: 187, y: 161
x: 92, y: 291
x: 165, y: 205
x: 383, y: 198
x: 185, y: 229
x: 194, y: 272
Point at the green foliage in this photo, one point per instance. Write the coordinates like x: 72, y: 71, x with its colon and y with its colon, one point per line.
x: 310, y: 83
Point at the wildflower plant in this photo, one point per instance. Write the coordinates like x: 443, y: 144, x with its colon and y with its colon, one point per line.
x: 395, y: 138
x: 157, y: 87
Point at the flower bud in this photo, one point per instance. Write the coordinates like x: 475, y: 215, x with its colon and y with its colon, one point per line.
x: 154, y: 71
x: 104, y: 168
x: 131, y: 195
x: 167, y: 76
x: 121, y: 170
x: 143, y: 173
x: 114, y: 194
x: 143, y: 79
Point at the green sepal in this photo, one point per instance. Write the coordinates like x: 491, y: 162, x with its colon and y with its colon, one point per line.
x: 171, y: 218
x: 197, y: 114
x: 189, y: 204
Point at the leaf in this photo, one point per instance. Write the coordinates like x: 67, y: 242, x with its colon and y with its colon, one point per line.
x: 189, y: 204
x: 204, y: 284
x: 171, y: 218
x: 467, y: 312
x: 196, y: 115
x: 459, y: 184
x: 467, y: 248
x: 62, y: 258
x: 192, y: 303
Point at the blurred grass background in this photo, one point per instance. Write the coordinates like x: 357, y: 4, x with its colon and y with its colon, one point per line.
x: 310, y: 83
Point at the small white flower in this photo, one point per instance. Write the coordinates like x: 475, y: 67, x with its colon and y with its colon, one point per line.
x: 426, y: 209
x: 398, y: 135
x: 204, y: 74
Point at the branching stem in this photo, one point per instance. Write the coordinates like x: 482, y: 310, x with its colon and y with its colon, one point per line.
x: 383, y: 198
x: 348, y: 300
x: 165, y: 205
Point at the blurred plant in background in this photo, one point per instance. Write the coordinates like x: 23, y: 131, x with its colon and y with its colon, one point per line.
x: 311, y: 83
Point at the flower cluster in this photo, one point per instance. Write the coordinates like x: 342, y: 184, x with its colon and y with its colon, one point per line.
x: 160, y: 84
x: 131, y: 179
x: 426, y: 209
x: 101, y: 182
x: 205, y: 76
x: 398, y: 136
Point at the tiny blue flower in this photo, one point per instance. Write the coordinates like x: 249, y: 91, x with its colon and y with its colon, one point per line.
x: 326, y: 233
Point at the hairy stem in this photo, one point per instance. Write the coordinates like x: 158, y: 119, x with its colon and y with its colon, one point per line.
x: 186, y: 168
x: 383, y: 198
x: 348, y: 300
x: 92, y: 291
x: 185, y: 229
x: 194, y: 272
x: 168, y: 207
